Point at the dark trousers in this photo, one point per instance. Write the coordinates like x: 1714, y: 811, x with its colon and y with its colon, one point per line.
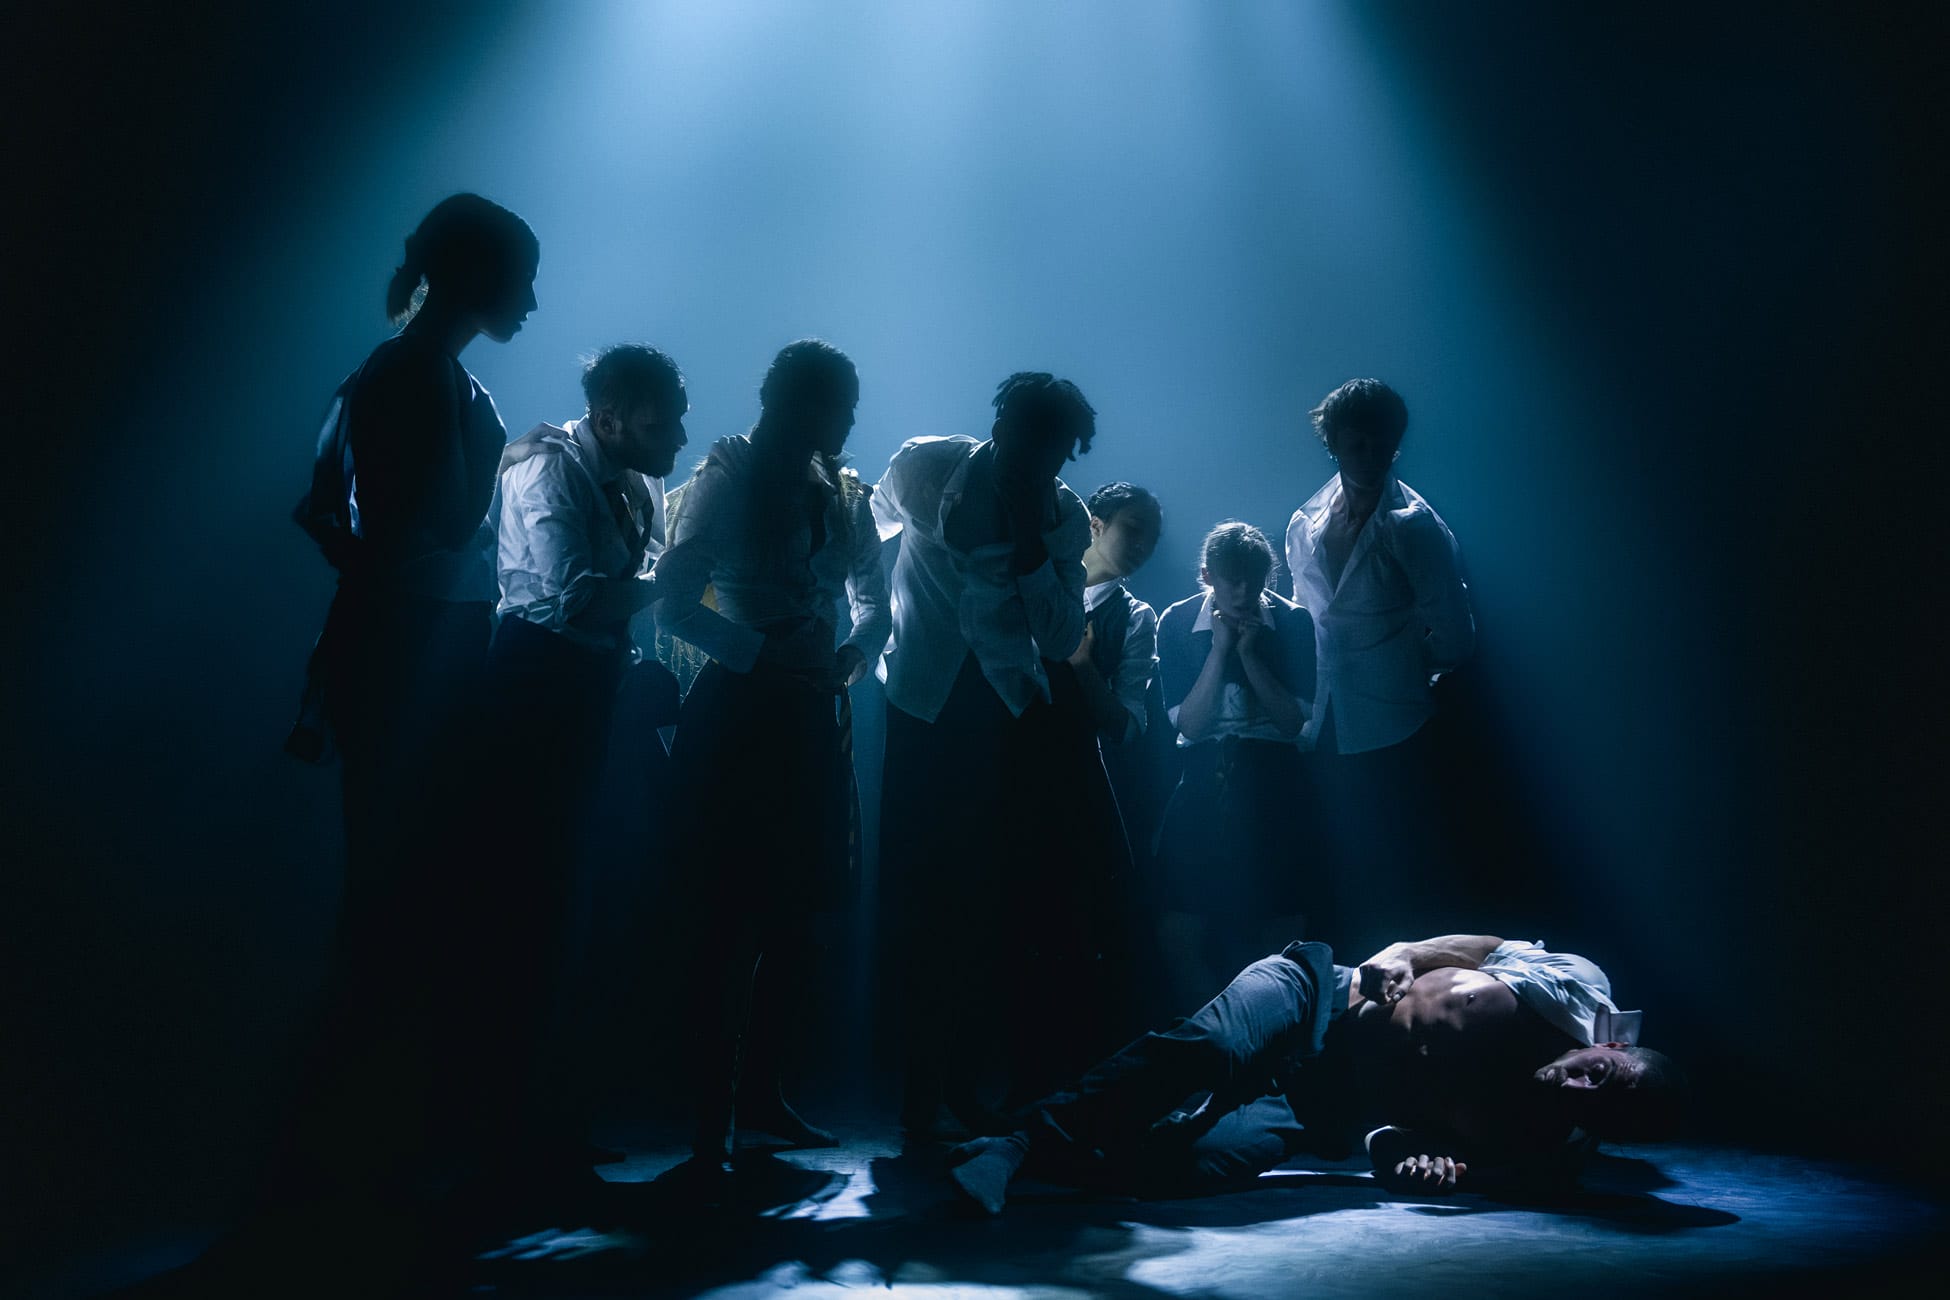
x: 768, y: 837
x: 1238, y: 835
x: 1116, y: 1124
x: 1388, y: 839
x: 550, y: 701
x: 1004, y: 876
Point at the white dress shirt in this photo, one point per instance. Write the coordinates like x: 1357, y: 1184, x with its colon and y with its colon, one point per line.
x: 1140, y: 658
x: 949, y: 603
x: 1397, y: 618
x: 559, y: 537
x: 763, y: 574
x: 1569, y: 991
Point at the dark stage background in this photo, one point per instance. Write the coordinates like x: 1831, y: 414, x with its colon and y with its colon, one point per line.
x: 1660, y: 286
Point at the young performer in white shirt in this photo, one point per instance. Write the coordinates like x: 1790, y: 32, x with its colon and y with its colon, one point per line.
x: 989, y: 743
x: 1380, y: 573
x: 1117, y: 668
x: 763, y: 752
x: 1236, y: 667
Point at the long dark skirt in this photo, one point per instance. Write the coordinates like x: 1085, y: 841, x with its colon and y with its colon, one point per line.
x: 404, y: 696
x: 552, y: 701
x: 1005, y: 877
x: 1239, y: 838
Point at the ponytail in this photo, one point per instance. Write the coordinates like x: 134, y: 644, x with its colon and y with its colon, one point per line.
x: 405, y: 284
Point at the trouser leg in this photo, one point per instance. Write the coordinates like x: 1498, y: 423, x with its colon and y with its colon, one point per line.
x: 1238, y: 1143
x: 1230, y: 1047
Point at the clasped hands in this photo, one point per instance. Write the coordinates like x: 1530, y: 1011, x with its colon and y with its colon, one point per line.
x: 1228, y: 632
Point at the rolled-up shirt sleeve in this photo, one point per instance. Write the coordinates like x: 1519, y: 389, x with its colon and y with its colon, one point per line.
x: 683, y: 572
x: 1429, y: 557
x: 545, y: 566
x: 866, y: 583
x: 1052, y: 593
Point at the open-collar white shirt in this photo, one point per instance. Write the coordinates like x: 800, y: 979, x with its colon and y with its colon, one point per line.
x: 1395, y: 620
x: 558, y: 535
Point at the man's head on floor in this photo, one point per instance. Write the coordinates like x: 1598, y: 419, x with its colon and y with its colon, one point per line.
x: 1461, y: 1027
x: 1619, y: 1090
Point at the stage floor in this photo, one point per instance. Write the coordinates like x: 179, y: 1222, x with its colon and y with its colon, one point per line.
x: 1679, y: 1219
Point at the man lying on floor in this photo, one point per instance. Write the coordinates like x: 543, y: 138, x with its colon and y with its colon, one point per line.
x: 1464, y: 1055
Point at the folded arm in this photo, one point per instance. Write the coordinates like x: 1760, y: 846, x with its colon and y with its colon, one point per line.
x: 1387, y: 975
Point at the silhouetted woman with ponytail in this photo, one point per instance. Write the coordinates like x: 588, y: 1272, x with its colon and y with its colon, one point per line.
x: 400, y: 491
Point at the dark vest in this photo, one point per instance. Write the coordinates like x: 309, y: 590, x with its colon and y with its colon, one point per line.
x: 1144, y: 769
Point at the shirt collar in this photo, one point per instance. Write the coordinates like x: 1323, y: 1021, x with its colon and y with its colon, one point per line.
x: 594, y: 458
x: 1096, y: 595
x: 1393, y: 497
x: 951, y: 490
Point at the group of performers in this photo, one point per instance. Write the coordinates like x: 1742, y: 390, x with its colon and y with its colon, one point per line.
x: 1053, y: 746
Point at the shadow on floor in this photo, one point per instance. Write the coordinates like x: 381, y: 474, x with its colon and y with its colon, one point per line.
x: 847, y: 1217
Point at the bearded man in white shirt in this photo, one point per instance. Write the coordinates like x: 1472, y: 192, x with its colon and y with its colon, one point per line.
x: 989, y: 741
x: 579, y: 509
x: 1380, y: 572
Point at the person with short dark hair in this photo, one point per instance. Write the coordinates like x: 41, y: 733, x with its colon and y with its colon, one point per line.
x: 577, y: 514
x: 400, y: 489
x: 1236, y: 664
x: 781, y: 534
x: 1117, y: 668
x: 1381, y: 575
x: 987, y: 818
x: 1116, y: 660
x: 1465, y: 1059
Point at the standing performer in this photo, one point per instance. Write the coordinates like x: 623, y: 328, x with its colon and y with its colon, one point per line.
x: 1117, y: 657
x: 987, y: 803
x: 577, y: 510
x: 763, y: 752
x: 1236, y: 663
x: 1116, y: 667
x: 400, y: 489
x: 1379, y: 571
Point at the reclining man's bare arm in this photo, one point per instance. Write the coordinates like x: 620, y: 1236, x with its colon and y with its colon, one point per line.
x: 1385, y: 977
